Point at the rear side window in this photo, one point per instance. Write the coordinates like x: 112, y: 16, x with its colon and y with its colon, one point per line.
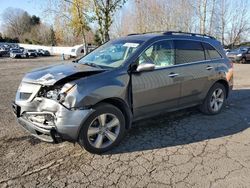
x: 211, y: 52
x: 188, y: 51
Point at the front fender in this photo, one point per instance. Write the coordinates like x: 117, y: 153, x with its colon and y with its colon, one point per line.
x: 92, y: 90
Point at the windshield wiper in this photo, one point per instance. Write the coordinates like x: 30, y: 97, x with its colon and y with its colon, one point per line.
x: 92, y: 65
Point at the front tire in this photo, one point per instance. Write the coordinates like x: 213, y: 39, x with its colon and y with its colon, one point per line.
x: 214, y: 100
x: 103, y: 129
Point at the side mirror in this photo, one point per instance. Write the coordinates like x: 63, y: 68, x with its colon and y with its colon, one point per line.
x: 145, y: 67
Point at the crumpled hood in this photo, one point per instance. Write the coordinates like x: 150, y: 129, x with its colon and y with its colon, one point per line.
x: 52, y: 74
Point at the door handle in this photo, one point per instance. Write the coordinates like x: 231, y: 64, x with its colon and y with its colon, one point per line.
x: 172, y: 75
x: 209, y: 67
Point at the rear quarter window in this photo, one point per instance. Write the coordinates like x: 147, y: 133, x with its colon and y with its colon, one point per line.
x: 211, y: 52
x: 188, y: 51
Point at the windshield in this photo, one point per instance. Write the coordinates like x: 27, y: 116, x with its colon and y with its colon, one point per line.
x: 112, y: 54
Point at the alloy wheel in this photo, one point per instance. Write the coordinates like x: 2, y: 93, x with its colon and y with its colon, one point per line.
x: 217, y: 100
x: 103, y: 130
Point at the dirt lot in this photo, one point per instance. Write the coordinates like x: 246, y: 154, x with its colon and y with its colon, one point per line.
x: 183, y: 149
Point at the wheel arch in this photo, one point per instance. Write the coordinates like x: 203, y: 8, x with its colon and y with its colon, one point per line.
x: 225, y: 84
x: 122, y: 106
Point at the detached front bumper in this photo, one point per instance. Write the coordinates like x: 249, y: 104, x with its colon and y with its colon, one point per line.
x: 48, y: 120
x: 47, y: 135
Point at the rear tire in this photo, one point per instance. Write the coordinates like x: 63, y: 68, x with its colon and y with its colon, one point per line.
x: 214, y: 100
x: 243, y: 60
x: 103, y: 129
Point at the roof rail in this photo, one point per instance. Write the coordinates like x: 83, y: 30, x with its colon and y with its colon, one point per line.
x: 174, y: 32
x: 146, y: 33
x: 187, y: 33
x: 133, y: 34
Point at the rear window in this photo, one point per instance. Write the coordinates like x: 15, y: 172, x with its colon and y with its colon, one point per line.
x: 211, y: 52
x: 188, y: 51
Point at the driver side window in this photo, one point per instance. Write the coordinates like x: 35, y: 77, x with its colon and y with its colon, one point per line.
x: 160, y: 53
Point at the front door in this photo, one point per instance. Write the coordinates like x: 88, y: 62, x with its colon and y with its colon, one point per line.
x: 157, y: 90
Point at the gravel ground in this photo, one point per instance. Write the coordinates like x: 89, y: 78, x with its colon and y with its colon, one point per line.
x: 181, y: 149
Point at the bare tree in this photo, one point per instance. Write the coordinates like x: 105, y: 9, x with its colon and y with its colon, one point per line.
x: 121, y: 25
x: 143, y: 16
x: 202, y: 14
x: 74, y: 13
x: 104, y: 11
x: 212, y: 16
x: 12, y: 19
x: 220, y: 18
x: 240, y: 24
x: 223, y: 18
x: 19, y: 24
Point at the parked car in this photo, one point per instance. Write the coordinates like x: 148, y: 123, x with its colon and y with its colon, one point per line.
x: 16, y: 53
x: 21, y: 49
x: 13, y: 49
x: 3, y: 51
x: 95, y: 100
x: 46, y: 53
x: 30, y: 52
x: 41, y: 52
x: 240, y: 55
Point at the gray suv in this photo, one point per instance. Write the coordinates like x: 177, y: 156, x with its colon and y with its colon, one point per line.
x: 94, y: 100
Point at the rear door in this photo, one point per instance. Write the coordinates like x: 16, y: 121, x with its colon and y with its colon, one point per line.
x: 156, y: 90
x: 195, y: 71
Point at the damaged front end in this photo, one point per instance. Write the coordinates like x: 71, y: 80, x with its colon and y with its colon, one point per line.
x: 47, y: 113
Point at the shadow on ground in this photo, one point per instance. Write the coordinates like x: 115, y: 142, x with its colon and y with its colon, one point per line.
x: 188, y: 126
x: 32, y: 140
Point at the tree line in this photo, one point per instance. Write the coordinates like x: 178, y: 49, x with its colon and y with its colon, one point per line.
x: 226, y: 20
x: 20, y: 26
x: 88, y: 21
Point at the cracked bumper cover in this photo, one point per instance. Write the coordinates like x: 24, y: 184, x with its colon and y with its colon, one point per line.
x: 66, y: 123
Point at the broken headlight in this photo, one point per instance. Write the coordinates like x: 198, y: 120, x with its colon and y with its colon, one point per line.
x: 67, y: 88
x: 53, y: 94
x: 58, y: 93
